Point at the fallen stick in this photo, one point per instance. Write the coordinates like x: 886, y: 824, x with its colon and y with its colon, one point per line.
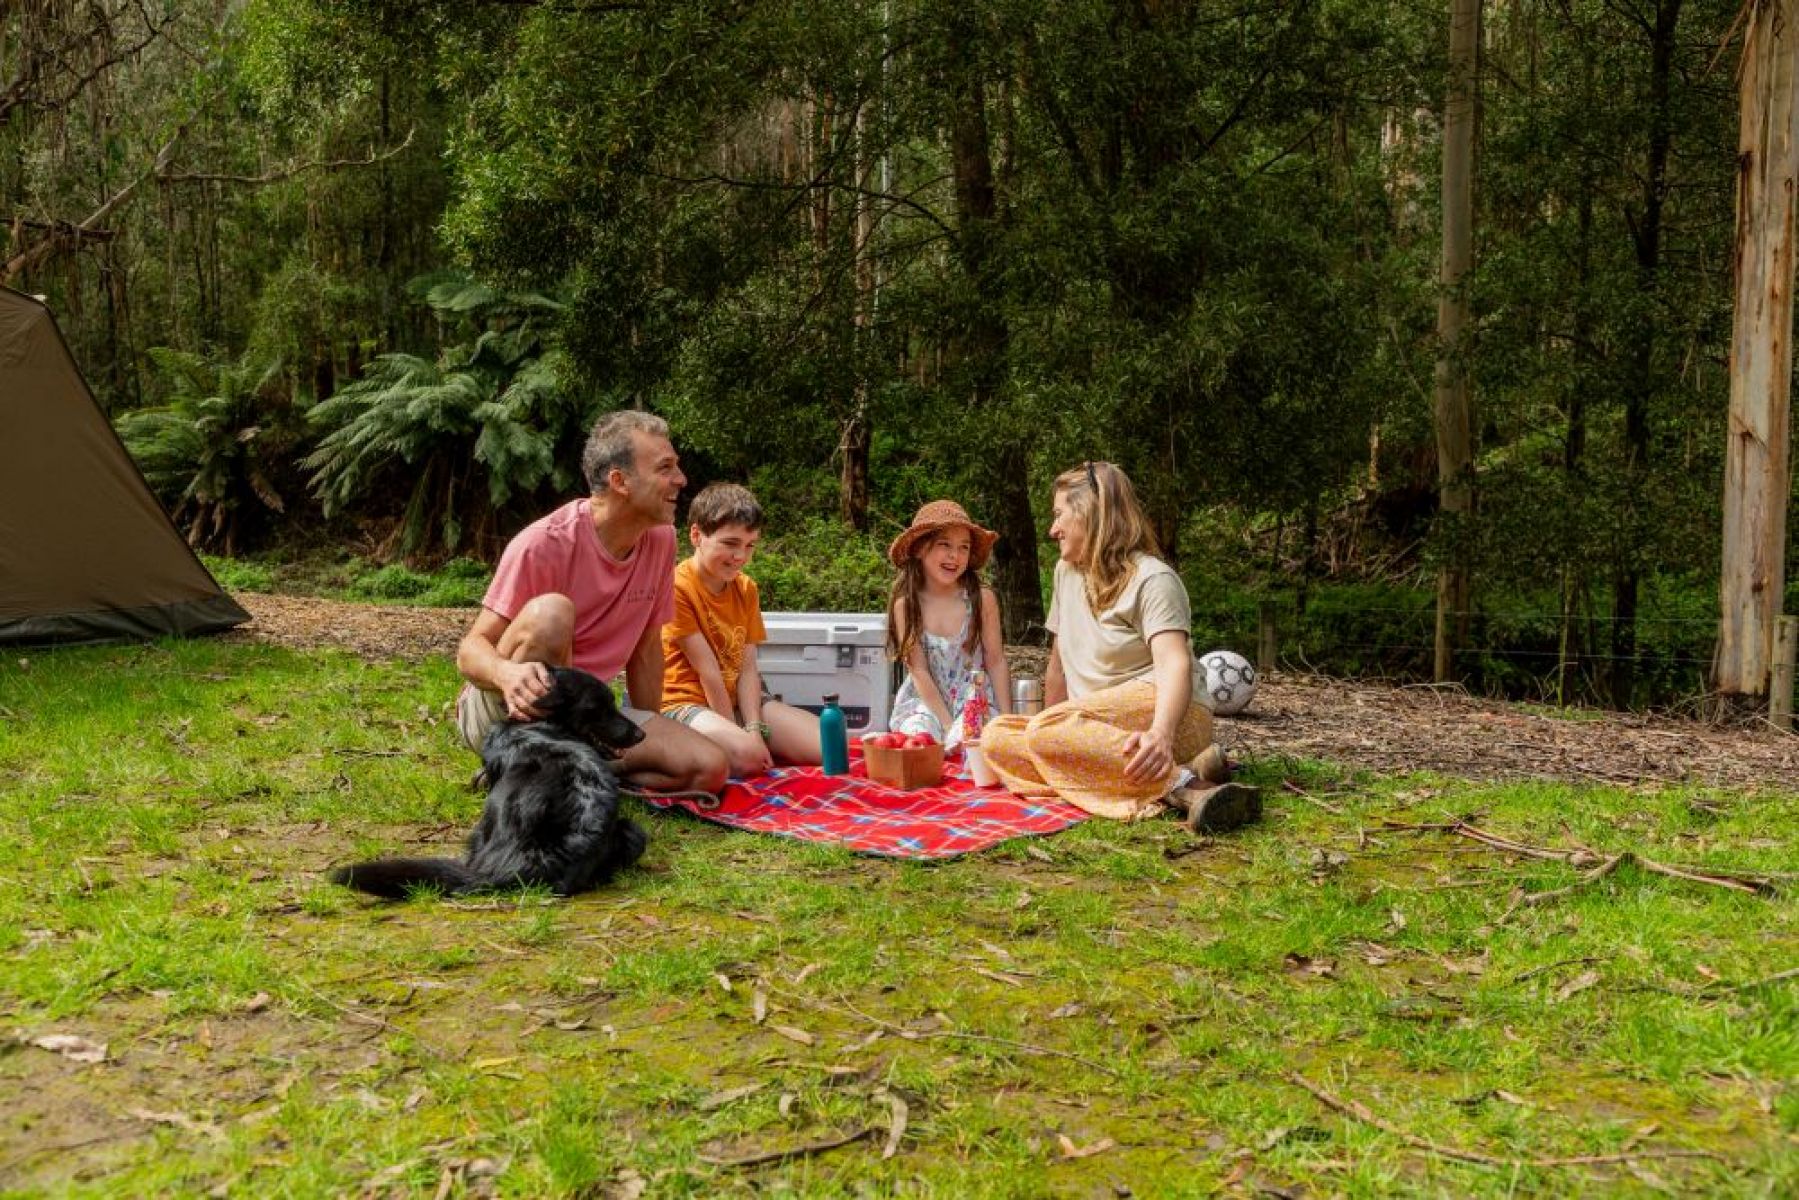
x: 1288, y: 785
x: 1547, y: 967
x: 913, y: 1035
x: 768, y: 1156
x: 1580, y: 856
x: 1360, y: 1112
x: 1755, y: 887
x: 1599, y: 872
x: 909, y: 1035
x: 380, y: 1022
x: 1765, y: 980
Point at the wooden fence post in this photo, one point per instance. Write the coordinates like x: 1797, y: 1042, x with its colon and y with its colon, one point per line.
x: 1780, y: 677
x: 1265, y: 643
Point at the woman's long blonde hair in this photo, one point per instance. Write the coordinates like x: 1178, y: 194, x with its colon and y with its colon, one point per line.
x: 1118, y: 529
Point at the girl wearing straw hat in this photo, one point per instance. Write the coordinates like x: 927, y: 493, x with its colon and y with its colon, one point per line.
x: 1125, y: 732
x: 943, y: 624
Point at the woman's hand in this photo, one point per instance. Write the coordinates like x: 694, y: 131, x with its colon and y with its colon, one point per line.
x: 1152, y: 752
x: 1151, y: 755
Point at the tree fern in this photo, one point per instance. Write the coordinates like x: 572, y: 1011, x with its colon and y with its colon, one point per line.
x: 489, y: 421
x: 213, y: 451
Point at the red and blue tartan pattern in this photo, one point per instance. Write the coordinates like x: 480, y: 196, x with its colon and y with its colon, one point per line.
x: 851, y: 810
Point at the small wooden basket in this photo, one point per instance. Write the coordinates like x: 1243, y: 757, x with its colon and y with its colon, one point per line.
x: 906, y: 768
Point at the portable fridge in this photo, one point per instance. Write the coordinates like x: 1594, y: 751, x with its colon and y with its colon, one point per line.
x: 809, y: 654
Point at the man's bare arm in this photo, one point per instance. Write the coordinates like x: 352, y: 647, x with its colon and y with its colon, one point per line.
x: 520, y: 684
x: 643, y: 673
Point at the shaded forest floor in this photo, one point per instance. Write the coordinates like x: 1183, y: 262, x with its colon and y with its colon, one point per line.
x: 1357, y: 726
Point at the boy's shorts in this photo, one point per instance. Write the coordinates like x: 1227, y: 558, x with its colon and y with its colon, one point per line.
x: 703, y: 720
x: 686, y: 714
x: 479, y: 710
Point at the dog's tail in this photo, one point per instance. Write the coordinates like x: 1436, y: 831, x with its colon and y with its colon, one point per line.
x: 396, y: 878
x: 632, y: 841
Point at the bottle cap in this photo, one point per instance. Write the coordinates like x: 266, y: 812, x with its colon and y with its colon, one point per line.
x: 830, y: 697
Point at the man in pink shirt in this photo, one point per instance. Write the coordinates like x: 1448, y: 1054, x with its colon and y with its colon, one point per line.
x: 591, y: 586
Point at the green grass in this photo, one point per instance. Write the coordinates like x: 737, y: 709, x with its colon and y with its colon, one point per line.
x: 459, y: 583
x: 166, y: 814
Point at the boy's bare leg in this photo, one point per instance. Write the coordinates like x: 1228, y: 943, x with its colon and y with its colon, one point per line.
x: 792, y: 734
x: 744, y: 750
x: 674, y: 758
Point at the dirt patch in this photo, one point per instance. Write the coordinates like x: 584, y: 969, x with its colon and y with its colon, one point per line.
x: 370, y: 630
x: 1366, y: 726
x: 1385, y: 728
x: 191, y: 1078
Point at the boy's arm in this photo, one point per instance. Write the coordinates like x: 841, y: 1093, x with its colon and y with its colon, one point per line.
x: 699, y: 654
x: 993, y: 650
x: 643, y: 672
x: 749, y: 688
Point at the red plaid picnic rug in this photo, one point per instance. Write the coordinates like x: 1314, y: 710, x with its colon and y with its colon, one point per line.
x: 851, y: 810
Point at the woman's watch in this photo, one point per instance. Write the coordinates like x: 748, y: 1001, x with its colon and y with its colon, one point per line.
x: 759, y: 728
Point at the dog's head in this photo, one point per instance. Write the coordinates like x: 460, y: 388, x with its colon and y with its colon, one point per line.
x: 586, y: 708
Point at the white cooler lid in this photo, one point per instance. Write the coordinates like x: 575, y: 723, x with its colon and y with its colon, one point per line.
x: 825, y: 629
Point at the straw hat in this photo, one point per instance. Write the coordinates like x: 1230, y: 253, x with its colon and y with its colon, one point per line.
x: 935, y: 517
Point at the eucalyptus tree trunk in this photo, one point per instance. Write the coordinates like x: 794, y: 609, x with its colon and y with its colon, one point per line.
x: 1756, y: 461
x: 1646, y: 228
x: 1454, y: 403
x: 1574, y: 449
x: 857, y: 438
x: 987, y: 339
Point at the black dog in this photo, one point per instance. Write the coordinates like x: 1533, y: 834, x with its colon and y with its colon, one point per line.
x: 552, y: 804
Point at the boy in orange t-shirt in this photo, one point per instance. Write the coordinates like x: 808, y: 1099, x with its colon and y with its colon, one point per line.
x: 711, y: 683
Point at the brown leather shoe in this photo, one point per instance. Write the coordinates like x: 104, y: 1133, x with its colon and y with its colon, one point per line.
x: 1220, y: 808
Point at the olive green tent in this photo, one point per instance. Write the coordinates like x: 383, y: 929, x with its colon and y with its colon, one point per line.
x: 86, y: 552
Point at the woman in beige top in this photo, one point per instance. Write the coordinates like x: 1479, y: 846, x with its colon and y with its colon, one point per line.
x: 1124, y: 732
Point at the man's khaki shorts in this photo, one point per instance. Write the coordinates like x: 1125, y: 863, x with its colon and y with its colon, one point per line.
x: 479, y: 710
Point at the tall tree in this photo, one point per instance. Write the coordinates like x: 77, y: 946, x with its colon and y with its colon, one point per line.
x: 1642, y: 381
x: 1757, y: 472
x: 1453, y: 400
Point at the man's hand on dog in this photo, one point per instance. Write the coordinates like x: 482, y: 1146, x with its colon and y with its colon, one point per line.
x: 522, y: 685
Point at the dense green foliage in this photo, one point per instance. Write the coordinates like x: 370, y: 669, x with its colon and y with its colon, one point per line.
x: 864, y: 254
x: 216, y: 447
x: 468, y: 434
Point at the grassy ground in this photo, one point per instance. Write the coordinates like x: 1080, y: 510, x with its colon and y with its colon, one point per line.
x: 1112, y: 1011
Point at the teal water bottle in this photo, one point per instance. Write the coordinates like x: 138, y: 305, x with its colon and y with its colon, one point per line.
x: 833, y: 738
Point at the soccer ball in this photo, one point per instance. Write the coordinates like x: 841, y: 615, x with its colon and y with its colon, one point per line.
x: 1230, y: 682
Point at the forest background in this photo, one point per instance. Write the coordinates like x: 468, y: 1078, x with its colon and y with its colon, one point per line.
x: 359, y: 274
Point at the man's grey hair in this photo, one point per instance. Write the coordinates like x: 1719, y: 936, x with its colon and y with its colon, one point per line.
x: 611, y: 444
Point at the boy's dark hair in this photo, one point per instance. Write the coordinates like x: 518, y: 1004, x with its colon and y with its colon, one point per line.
x: 721, y: 504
